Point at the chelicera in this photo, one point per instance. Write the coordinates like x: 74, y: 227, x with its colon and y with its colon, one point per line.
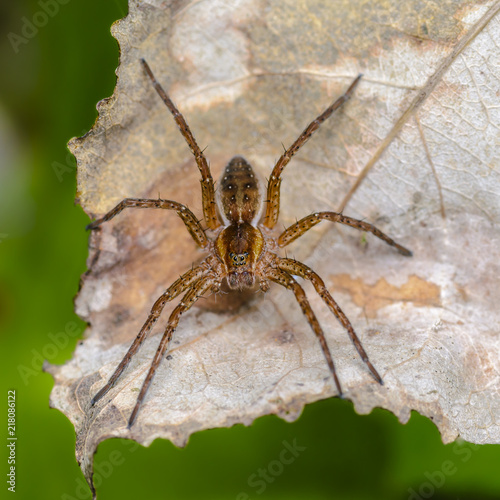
x: 242, y: 250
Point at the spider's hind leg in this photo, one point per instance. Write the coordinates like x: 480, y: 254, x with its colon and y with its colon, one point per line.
x: 207, y: 182
x: 273, y: 187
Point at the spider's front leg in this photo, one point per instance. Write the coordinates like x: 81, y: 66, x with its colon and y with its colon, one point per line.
x: 298, y: 269
x: 189, y: 219
x: 179, y: 286
x: 285, y: 279
x: 202, y: 286
x: 273, y: 187
x: 299, y: 228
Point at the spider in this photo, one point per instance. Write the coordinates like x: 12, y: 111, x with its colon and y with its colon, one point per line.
x: 241, y: 246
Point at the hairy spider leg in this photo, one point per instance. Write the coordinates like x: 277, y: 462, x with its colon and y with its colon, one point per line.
x: 244, y: 234
x: 298, y: 269
x: 207, y: 182
x: 299, y: 228
x: 189, y: 219
x: 199, y: 288
x: 285, y: 279
x: 273, y: 187
x: 179, y: 286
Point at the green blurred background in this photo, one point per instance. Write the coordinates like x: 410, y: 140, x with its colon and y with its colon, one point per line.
x: 50, y: 84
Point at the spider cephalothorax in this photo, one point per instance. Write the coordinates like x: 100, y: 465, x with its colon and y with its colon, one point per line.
x: 242, y: 251
x: 239, y: 247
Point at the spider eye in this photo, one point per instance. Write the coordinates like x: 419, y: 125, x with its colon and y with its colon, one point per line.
x: 239, y: 259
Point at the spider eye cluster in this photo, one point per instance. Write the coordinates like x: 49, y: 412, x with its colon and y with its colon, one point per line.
x: 238, y: 259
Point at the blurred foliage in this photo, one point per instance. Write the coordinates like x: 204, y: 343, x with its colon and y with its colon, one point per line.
x: 50, y: 85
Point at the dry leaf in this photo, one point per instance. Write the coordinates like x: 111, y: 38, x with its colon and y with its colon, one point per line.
x: 415, y: 152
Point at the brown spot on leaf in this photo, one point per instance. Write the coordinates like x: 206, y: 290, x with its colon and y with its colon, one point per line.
x: 371, y: 298
x: 479, y: 365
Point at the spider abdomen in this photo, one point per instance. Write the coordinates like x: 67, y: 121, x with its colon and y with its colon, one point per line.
x: 240, y: 193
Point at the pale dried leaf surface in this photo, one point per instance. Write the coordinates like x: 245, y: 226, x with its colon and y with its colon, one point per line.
x: 249, y: 75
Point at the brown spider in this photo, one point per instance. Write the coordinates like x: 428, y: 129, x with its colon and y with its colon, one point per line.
x: 241, y: 248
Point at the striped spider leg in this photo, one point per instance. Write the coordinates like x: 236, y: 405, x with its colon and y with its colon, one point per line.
x: 242, y: 251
